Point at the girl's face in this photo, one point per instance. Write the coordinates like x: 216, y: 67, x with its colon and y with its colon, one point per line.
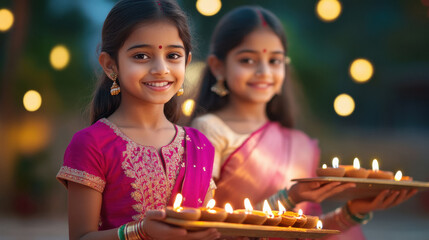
x: 151, y: 63
x: 254, y: 70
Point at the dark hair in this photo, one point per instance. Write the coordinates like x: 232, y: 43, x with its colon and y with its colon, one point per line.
x: 119, y: 24
x: 228, y: 34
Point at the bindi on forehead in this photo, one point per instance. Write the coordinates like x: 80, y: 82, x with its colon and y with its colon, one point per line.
x: 264, y: 50
x: 160, y: 46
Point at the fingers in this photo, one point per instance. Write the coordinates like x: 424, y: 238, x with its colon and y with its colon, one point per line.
x: 209, y: 234
x: 155, y: 214
x: 336, y: 189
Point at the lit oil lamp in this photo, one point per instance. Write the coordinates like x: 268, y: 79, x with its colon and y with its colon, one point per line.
x: 311, y: 221
x: 319, y: 225
x: 334, y: 171
x: 234, y: 216
x: 356, y: 171
x: 184, y: 213
x: 287, y: 219
x: 212, y: 213
x: 400, y: 177
x: 301, y: 219
x: 377, y: 173
x: 253, y: 216
x: 272, y: 219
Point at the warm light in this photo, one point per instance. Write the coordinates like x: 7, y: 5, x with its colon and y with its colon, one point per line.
x: 356, y: 164
x: 324, y: 166
x: 32, y: 101
x: 328, y: 10
x: 282, y: 209
x: 319, y: 225
x: 188, y: 107
x: 300, y: 213
x: 178, y: 201
x: 335, y: 162
x: 248, y: 206
x: 6, y: 19
x: 208, y: 7
x: 267, y: 210
x: 228, y: 208
x: 398, y: 176
x: 59, y: 57
x: 211, y: 203
x: 375, y: 166
x: 361, y: 70
x: 344, y: 105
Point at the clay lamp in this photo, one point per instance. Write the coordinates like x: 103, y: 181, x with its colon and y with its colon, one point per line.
x: 356, y: 171
x: 287, y: 220
x: 377, y: 173
x: 252, y: 216
x: 334, y: 171
x: 184, y: 213
x: 311, y: 222
x: 301, y: 219
x: 212, y: 213
x: 272, y: 219
x: 399, y: 177
x: 234, y: 216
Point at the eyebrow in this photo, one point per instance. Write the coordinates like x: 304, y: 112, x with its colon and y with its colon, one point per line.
x: 152, y: 46
x: 254, y: 51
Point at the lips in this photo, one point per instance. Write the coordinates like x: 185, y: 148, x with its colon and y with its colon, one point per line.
x: 158, y: 85
x: 261, y: 85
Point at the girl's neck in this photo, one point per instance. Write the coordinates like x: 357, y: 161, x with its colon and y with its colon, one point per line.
x: 244, y: 112
x: 140, y: 115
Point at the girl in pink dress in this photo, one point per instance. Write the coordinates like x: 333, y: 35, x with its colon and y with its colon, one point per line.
x: 247, y: 117
x: 123, y: 170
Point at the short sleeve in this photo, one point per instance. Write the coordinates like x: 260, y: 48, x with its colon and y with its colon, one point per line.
x: 83, y: 162
x: 217, y: 140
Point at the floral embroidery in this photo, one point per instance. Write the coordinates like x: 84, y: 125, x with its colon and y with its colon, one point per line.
x: 82, y: 177
x: 152, y: 185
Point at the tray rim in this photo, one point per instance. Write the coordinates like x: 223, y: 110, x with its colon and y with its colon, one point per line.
x: 407, y: 184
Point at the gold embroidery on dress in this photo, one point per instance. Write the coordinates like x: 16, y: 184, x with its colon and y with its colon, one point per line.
x: 152, y: 185
x: 81, y: 177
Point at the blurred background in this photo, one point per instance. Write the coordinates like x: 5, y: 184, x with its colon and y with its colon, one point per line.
x: 361, y: 74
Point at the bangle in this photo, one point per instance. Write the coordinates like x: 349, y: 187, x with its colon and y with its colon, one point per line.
x: 121, y: 234
x: 362, y: 219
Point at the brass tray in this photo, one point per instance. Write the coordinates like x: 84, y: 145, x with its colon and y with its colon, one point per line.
x: 366, y: 187
x: 248, y: 230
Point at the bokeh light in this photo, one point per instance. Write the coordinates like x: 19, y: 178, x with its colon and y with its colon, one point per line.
x: 59, y: 57
x: 208, y: 7
x: 361, y: 70
x: 32, y: 100
x: 193, y: 74
x: 328, y: 10
x: 344, y: 105
x: 6, y: 19
x: 188, y: 107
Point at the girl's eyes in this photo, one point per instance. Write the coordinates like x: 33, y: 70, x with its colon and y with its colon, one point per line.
x: 247, y: 61
x: 141, y: 56
x: 174, y: 56
x: 276, y: 61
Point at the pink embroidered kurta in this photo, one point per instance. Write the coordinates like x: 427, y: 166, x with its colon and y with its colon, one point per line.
x: 134, y: 178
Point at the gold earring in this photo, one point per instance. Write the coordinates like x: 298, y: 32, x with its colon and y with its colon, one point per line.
x: 115, y: 89
x: 219, y: 88
x: 180, y: 92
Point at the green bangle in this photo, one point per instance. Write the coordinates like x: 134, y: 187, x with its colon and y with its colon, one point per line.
x: 362, y: 219
x: 121, y: 234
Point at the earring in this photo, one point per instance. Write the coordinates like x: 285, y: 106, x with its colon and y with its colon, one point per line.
x: 115, y: 89
x: 180, y: 92
x: 219, y: 88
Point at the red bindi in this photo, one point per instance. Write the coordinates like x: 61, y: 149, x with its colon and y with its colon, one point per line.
x: 160, y: 46
x: 265, y: 50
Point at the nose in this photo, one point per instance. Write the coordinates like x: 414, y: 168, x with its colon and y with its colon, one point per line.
x: 263, y: 70
x: 160, y: 68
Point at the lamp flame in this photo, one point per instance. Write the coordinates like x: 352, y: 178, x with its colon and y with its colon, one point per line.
x: 324, y: 166
x: 319, y: 225
x: 267, y: 210
x: 356, y: 164
x: 228, y: 208
x: 282, y: 209
x: 300, y: 213
x: 211, y: 204
x: 335, y: 162
x: 375, y: 166
x: 398, y: 176
x: 248, y: 206
x: 177, y: 201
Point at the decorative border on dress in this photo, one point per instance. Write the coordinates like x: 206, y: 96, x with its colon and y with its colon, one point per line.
x: 81, y: 177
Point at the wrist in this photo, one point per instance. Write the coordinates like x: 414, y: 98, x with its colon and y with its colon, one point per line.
x: 357, y: 217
